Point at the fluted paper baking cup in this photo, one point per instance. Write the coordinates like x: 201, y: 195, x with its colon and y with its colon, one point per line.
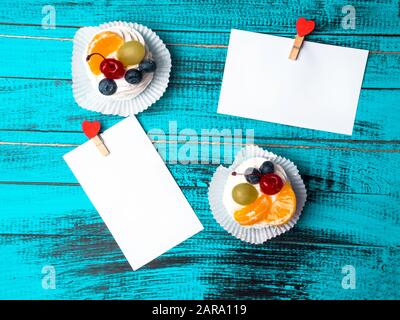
x: 87, y: 96
x: 261, y: 234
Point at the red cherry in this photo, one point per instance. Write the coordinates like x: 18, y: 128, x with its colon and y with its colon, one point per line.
x: 111, y: 68
x: 271, y: 183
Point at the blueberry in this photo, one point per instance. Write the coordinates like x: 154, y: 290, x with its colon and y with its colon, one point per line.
x: 107, y: 87
x: 148, y: 66
x: 267, y: 167
x: 252, y: 175
x: 133, y: 76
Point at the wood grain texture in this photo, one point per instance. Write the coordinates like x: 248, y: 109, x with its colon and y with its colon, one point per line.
x: 330, y: 217
x: 332, y: 169
x: 374, y: 17
x: 189, y: 106
x: 192, y: 64
x: 351, y: 217
x: 93, y: 267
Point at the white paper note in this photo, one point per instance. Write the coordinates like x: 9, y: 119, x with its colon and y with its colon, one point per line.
x: 319, y: 90
x: 134, y: 193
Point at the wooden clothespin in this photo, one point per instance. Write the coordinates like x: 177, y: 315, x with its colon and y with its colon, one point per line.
x: 91, y: 130
x: 303, y: 27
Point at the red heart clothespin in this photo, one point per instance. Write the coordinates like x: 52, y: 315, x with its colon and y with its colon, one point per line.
x: 304, y: 27
x: 91, y: 130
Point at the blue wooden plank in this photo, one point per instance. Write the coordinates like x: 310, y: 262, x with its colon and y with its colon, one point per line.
x: 192, y: 65
x: 329, y: 217
x: 372, y: 17
x: 49, y: 105
x: 94, y: 268
x: 325, y: 168
x: 351, y: 217
x: 379, y: 44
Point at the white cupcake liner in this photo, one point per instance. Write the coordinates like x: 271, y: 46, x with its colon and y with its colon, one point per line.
x: 87, y: 96
x: 261, y: 234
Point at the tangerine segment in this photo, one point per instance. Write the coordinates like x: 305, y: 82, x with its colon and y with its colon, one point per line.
x: 283, y: 208
x: 104, y: 43
x: 253, y: 213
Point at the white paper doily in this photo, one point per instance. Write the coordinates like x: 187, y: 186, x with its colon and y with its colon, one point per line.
x: 250, y: 234
x: 90, y: 98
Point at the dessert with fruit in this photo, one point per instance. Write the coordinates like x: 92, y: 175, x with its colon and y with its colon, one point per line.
x: 119, y: 63
x: 258, y: 193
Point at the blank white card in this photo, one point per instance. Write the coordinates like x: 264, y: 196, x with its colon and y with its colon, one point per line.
x: 319, y: 90
x: 134, y: 193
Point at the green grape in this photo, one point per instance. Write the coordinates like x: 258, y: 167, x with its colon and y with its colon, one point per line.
x: 244, y: 193
x: 131, y: 53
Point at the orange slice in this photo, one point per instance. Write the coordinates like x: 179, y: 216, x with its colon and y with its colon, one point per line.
x: 253, y: 213
x: 283, y: 208
x: 104, y: 43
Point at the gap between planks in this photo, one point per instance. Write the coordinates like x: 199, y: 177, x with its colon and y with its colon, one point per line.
x: 183, y: 187
x: 279, y: 146
x: 275, y: 241
x: 171, y: 81
x: 216, y: 136
x: 195, y: 45
x: 16, y: 24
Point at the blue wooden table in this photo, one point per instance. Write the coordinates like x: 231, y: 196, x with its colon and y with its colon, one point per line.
x: 351, y: 222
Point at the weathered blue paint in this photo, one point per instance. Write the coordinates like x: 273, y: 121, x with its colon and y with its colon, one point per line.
x: 351, y: 218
